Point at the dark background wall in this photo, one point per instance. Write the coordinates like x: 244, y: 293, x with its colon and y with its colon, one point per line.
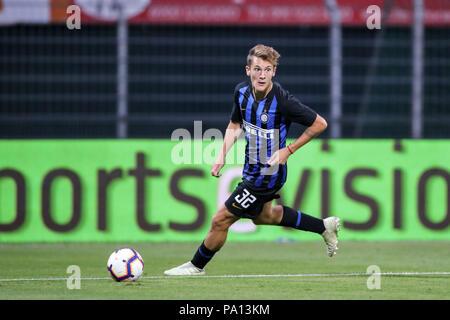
x: 60, y: 83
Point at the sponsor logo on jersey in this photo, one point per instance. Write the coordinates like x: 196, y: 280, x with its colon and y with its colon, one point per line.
x: 257, y: 131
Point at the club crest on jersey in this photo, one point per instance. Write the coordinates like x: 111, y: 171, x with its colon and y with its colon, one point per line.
x: 264, y: 117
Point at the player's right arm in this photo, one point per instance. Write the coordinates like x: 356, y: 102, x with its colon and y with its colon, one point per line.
x: 231, y: 135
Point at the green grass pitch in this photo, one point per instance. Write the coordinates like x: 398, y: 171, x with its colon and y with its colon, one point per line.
x: 47, y: 265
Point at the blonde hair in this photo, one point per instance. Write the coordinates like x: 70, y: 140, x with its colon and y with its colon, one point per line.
x: 263, y: 52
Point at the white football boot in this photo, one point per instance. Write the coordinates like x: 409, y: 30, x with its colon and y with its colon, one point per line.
x: 186, y: 269
x: 330, y: 234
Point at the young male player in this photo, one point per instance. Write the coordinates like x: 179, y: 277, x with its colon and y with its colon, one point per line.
x: 265, y: 111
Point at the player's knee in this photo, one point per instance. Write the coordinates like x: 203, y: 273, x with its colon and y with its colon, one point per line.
x: 272, y: 217
x: 277, y: 213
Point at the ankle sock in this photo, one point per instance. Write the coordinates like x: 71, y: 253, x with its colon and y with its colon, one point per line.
x: 202, y: 256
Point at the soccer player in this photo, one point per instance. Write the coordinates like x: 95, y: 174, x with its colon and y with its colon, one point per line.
x: 264, y: 110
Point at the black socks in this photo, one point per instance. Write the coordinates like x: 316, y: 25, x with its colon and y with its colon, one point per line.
x: 202, y: 256
x: 301, y: 221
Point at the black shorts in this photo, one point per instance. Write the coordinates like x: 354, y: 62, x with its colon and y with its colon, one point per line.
x: 246, y: 202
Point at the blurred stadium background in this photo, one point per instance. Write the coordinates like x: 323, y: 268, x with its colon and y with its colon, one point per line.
x: 177, y: 61
x: 86, y: 104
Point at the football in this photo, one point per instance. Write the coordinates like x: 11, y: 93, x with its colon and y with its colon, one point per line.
x: 125, y: 264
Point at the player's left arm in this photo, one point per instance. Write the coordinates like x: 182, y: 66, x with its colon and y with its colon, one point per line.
x: 316, y: 128
x: 296, y: 111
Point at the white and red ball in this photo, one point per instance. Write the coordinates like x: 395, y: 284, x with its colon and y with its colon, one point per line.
x: 125, y: 264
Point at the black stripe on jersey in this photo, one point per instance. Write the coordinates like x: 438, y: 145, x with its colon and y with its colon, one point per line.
x: 266, y: 109
x: 264, y: 126
x: 281, y: 168
x: 254, y: 168
x: 276, y: 125
x: 243, y: 107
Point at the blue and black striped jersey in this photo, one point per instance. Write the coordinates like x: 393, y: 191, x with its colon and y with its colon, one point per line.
x: 266, y: 124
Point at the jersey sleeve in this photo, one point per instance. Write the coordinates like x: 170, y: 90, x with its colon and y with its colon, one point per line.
x: 236, y: 115
x: 296, y: 111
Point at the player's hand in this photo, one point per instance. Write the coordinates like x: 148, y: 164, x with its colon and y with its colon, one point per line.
x: 279, y: 157
x: 216, y: 167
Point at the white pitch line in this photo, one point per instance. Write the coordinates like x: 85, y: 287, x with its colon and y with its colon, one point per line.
x: 314, y: 275
x: 251, y: 276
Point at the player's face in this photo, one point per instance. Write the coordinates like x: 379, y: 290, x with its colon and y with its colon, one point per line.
x: 261, y: 72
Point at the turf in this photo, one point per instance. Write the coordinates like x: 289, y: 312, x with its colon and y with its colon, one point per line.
x: 38, y: 261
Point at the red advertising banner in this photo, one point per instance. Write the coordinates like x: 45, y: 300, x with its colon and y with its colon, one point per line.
x: 224, y: 12
x: 272, y: 12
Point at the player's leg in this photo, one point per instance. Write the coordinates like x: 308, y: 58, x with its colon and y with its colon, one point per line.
x: 288, y: 217
x: 214, y: 240
x: 284, y: 216
x: 218, y: 231
x: 216, y: 237
x: 270, y: 215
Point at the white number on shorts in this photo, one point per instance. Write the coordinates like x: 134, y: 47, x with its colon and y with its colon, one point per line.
x: 246, y: 199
